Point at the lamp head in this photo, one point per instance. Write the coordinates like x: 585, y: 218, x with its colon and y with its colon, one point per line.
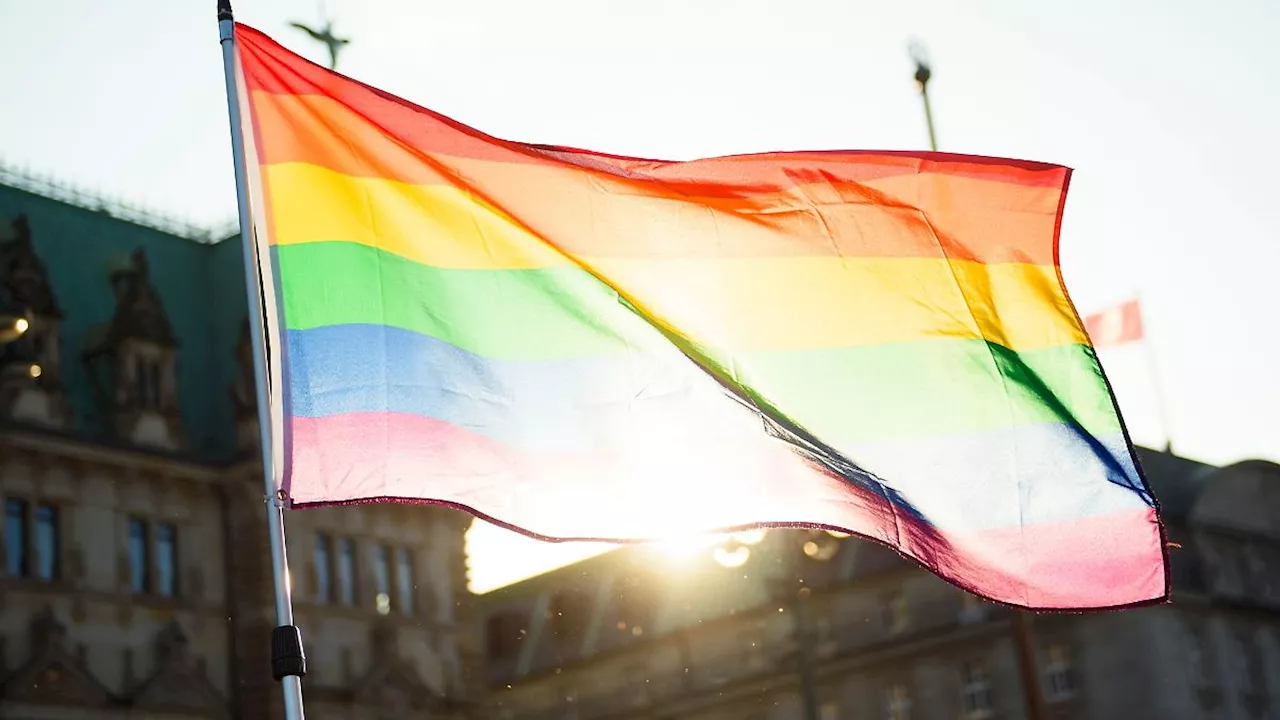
x: 921, y: 58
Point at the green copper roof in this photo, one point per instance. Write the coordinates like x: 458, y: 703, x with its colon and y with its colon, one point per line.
x: 200, y: 285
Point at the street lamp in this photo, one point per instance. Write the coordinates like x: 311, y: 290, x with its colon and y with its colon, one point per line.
x: 923, y: 74
x: 791, y: 591
x: 815, y: 546
x: 1023, y: 633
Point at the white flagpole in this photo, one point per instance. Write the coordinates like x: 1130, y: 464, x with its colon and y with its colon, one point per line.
x: 288, y: 663
x: 1155, y: 380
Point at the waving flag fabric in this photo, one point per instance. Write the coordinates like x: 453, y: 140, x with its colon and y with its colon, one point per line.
x: 586, y: 346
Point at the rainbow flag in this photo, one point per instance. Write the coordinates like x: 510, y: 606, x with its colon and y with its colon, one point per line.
x: 585, y: 346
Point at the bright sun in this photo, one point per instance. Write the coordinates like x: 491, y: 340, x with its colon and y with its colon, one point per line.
x: 499, y: 557
x: 726, y: 548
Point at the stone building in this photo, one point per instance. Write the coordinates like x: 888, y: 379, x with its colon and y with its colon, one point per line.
x: 136, y: 577
x: 728, y: 632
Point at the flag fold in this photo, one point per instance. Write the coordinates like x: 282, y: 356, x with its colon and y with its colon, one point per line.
x: 585, y: 346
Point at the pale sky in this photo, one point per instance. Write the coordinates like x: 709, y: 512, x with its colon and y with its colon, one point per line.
x: 1167, y: 110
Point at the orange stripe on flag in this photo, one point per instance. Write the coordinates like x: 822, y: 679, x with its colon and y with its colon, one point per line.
x: 840, y: 206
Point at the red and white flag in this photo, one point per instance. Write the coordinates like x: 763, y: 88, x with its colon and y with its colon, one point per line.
x: 1116, y: 325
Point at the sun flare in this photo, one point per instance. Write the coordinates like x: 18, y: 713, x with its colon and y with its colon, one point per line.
x: 499, y: 557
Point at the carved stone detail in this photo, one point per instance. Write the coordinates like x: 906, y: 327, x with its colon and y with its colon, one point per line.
x: 25, y: 278
x: 124, y: 615
x: 133, y: 361
x: 30, y: 367
x: 79, y: 609
x: 52, y: 675
x: 139, y: 313
x: 392, y: 687
x: 195, y: 582
x: 123, y: 571
x: 127, y: 678
x: 180, y: 682
x: 348, y: 674
x: 74, y: 569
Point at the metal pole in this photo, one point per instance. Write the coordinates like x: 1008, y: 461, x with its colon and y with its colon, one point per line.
x: 782, y: 591
x: 928, y: 115
x: 1023, y: 635
x: 804, y: 637
x: 923, y: 73
x: 1156, y: 380
x: 288, y: 662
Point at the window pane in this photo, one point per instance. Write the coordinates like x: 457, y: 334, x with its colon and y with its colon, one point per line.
x: 47, y: 549
x: 324, y: 581
x: 153, y: 384
x: 404, y: 580
x: 140, y: 380
x: 15, y: 537
x: 899, y: 613
x: 381, y: 569
x: 1058, y: 670
x: 899, y: 703
x: 977, y: 690
x: 1244, y: 660
x: 382, y: 579
x: 166, y: 560
x: 139, y: 557
x: 346, y: 571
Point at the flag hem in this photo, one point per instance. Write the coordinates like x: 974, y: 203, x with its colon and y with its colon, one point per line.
x: 770, y: 525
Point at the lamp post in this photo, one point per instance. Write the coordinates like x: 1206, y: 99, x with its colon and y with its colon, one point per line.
x: 923, y: 74
x: 1023, y: 640
x: 817, y: 546
x: 797, y: 601
x: 1020, y: 620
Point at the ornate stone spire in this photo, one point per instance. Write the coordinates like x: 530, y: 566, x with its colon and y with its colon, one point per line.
x: 139, y: 313
x: 133, y: 361
x: 30, y: 363
x: 24, y: 280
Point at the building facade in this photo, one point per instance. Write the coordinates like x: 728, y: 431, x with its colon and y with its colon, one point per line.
x: 136, y: 575
x: 745, y: 630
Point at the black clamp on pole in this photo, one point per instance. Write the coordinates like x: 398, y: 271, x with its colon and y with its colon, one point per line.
x: 287, y: 657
